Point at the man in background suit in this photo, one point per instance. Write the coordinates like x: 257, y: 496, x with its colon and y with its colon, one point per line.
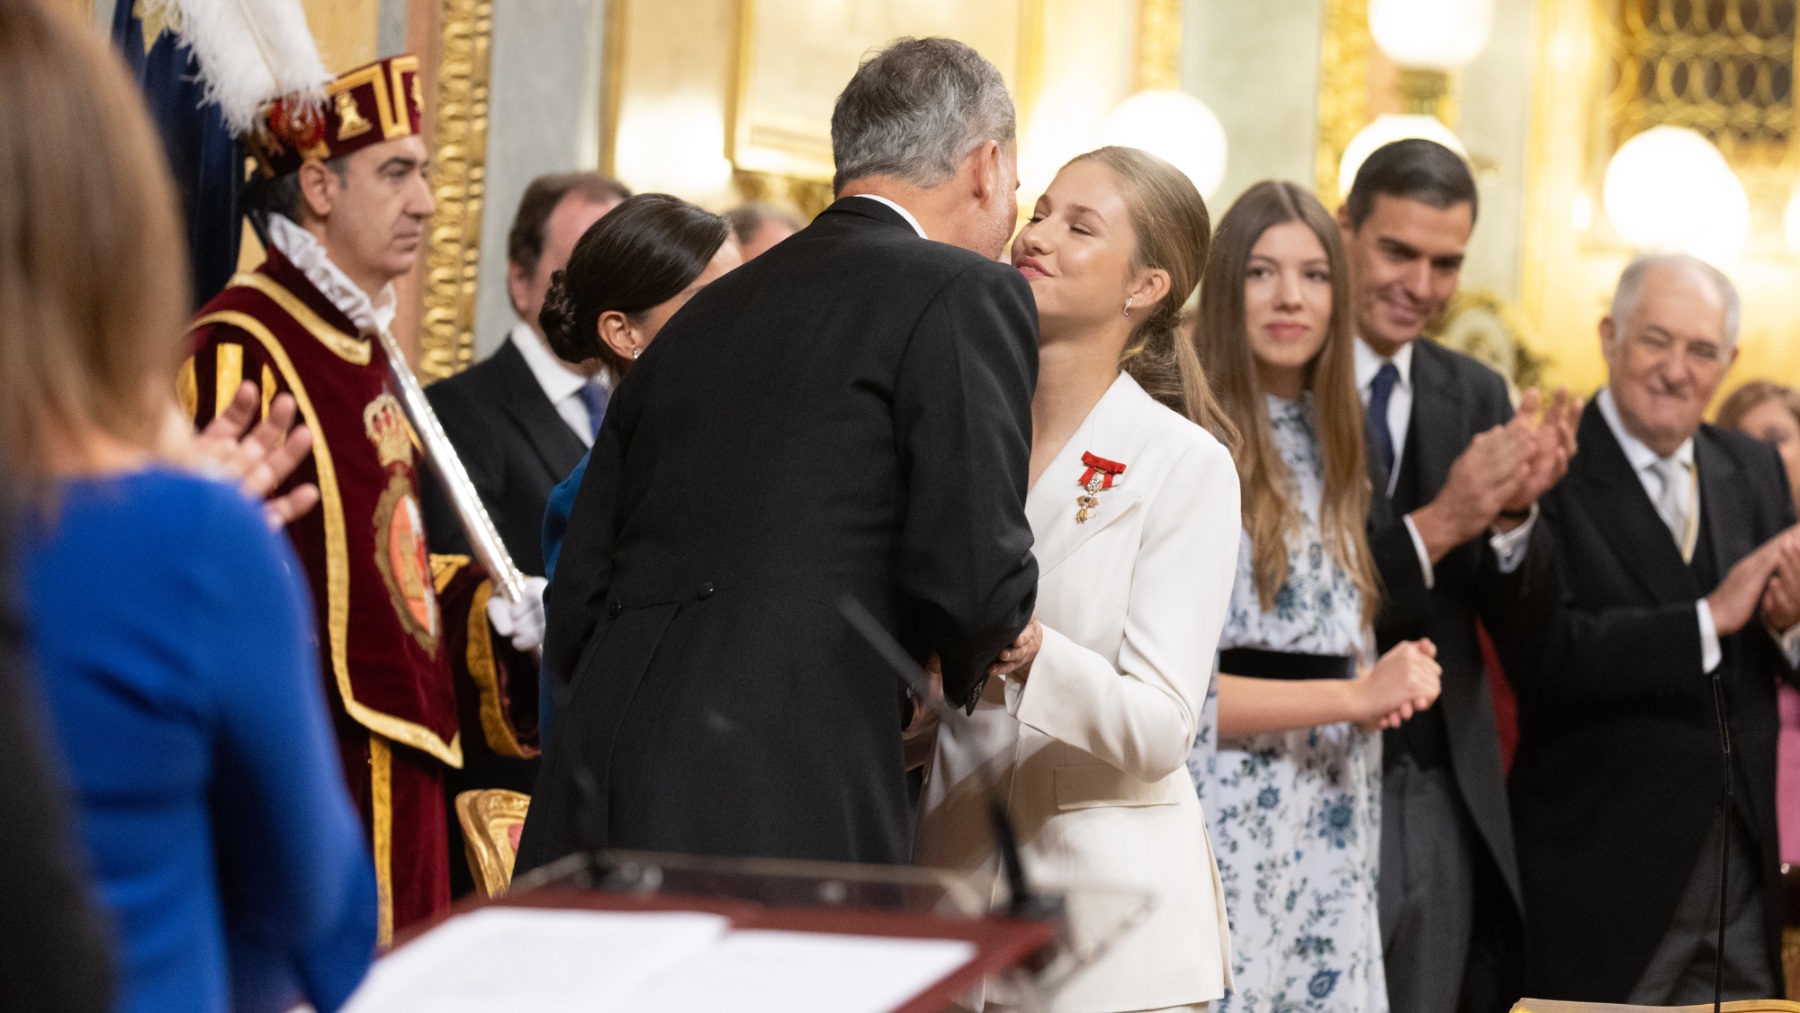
x: 1617, y: 780
x: 1462, y: 477
x: 847, y: 415
x: 519, y: 420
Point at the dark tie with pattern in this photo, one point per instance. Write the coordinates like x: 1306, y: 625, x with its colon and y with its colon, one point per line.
x: 594, y: 397
x: 1381, y: 389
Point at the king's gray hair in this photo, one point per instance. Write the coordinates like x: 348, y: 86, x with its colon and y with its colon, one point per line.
x: 1631, y: 288
x: 915, y: 110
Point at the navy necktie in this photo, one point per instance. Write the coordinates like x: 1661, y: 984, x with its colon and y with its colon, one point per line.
x: 1381, y: 390
x: 594, y: 398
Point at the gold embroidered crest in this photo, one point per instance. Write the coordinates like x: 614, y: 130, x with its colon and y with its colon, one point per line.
x: 386, y: 424
x: 405, y: 562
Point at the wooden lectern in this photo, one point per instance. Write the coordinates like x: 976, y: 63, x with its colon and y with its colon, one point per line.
x: 1741, y: 1006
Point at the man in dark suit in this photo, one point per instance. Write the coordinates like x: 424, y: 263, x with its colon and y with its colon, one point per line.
x: 1461, y: 474
x: 1616, y: 784
x: 521, y: 418
x: 520, y: 421
x: 846, y: 415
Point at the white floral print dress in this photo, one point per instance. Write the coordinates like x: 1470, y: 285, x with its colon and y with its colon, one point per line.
x: 1296, y: 816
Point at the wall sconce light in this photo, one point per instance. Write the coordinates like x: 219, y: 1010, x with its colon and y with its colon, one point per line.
x: 1386, y: 129
x: 1429, y: 39
x: 1176, y: 127
x: 1668, y: 188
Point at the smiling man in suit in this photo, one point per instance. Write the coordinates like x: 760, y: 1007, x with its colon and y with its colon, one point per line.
x: 520, y: 420
x: 1462, y: 476
x: 1668, y: 532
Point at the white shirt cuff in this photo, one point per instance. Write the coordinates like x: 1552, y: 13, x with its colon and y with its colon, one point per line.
x: 1015, y: 690
x: 1710, y: 655
x: 1424, y: 555
x: 1509, y: 546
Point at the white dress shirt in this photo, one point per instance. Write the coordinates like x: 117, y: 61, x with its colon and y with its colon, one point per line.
x: 560, y: 383
x: 1509, y: 546
x: 910, y: 220
x: 1644, y: 462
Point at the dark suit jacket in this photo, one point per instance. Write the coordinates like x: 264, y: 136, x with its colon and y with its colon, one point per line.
x: 1455, y: 397
x: 515, y: 446
x: 1618, y: 773
x: 848, y: 414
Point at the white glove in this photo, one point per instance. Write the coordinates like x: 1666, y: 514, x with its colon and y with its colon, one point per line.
x: 521, y: 622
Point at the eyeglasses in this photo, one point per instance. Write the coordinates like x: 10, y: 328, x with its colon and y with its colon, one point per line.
x: 1701, y: 354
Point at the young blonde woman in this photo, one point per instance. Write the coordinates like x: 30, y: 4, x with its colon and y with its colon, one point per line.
x: 1134, y: 508
x: 1294, y: 787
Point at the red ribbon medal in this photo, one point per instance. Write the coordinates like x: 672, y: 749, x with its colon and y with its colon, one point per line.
x: 1096, y: 479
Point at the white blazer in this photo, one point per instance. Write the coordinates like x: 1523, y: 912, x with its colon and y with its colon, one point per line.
x: 1091, y: 749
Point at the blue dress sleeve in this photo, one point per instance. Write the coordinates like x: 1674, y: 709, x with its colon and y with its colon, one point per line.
x: 556, y: 513
x: 296, y: 880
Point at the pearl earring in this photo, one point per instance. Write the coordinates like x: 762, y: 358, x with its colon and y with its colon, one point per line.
x: 635, y: 352
x: 1128, y: 307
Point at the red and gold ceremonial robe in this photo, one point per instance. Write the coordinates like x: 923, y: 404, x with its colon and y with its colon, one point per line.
x: 404, y: 644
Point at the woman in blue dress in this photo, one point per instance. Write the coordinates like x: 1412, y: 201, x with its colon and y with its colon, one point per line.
x: 170, y: 636
x: 1294, y: 786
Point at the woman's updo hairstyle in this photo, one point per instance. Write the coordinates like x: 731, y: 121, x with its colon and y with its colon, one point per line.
x: 643, y: 253
x: 1174, y: 234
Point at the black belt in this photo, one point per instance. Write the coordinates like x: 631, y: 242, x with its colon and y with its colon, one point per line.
x: 1254, y: 663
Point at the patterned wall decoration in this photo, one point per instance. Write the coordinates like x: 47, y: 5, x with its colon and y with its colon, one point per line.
x: 459, y: 156
x: 1343, y: 89
x: 1722, y: 67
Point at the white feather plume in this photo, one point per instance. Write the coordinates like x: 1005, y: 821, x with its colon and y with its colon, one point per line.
x: 250, y: 52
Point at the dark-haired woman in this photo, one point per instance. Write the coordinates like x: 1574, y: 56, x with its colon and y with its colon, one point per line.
x: 1294, y: 788
x: 627, y: 276
x: 1133, y: 507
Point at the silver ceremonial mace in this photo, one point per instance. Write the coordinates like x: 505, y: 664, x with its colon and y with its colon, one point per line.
x: 453, y: 477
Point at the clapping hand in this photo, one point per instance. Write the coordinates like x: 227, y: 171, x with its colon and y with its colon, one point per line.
x: 1549, y: 444
x: 1483, y: 480
x: 1748, y: 584
x: 259, y: 460
x: 1781, y: 601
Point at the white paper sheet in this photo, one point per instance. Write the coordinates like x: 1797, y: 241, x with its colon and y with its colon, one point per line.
x: 653, y: 962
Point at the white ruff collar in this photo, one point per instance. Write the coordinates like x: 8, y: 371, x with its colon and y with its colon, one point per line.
x: 304, y: 251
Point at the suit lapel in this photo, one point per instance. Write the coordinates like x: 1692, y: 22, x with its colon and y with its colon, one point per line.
x: 1722, y: 507
x: 538, y: 421
x: 1109, y: 431
x: 1626, y: 517
x: 1434, y: 432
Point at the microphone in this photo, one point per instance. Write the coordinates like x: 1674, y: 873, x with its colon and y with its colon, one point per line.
x: 1025, y: 902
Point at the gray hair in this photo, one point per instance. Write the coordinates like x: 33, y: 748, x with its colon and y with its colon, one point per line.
x: 915, y: 110
x: 1631, y: 288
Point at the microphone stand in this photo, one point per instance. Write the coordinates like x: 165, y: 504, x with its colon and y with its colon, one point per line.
x: 1024, y: 902
x: 1725, y: 829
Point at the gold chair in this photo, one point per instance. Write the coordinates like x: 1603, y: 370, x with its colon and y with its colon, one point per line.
x: 1741, y: 1006
x: 491, y: 819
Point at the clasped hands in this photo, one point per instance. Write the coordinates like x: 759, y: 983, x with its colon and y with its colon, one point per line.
x: 1015, y: 662
x: 1502, y: 473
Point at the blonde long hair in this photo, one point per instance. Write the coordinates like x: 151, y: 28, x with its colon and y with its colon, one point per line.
x: 1174, y: 234
x: 93, y: 284
x: 1271, y: 516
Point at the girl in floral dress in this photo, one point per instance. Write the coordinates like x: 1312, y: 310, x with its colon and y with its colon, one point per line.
x: 1288, y: 761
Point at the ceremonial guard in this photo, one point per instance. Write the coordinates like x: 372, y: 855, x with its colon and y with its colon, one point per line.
x: 413, y: 646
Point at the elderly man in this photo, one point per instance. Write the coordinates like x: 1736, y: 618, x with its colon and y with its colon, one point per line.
x: 1462, y: 474
x: 1616, y: 783
x: 405, y: 642
x: 847, y: 415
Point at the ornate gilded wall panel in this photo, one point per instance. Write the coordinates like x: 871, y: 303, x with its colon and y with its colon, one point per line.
x: 459, y: 155
x: 1343, y: 89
